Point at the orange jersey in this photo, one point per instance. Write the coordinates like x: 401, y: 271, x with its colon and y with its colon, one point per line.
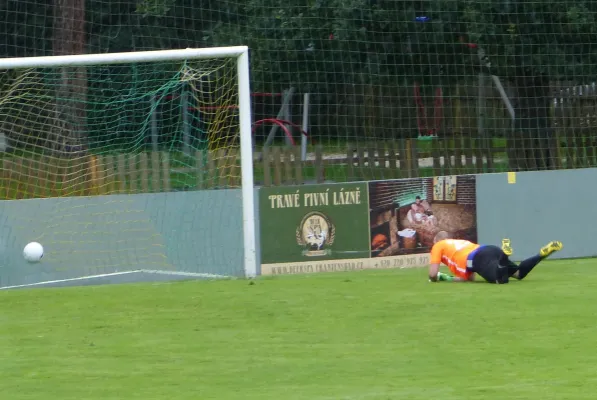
x: 454, y: 254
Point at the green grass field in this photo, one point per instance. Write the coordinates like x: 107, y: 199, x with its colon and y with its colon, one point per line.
x: 366, y: 335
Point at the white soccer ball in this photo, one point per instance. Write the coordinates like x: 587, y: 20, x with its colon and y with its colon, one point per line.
x: 33, y: 252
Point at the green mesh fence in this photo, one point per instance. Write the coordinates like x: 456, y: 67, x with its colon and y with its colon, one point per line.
x: 106, y: 129
x: 394, y: 88
x: 87, y: 145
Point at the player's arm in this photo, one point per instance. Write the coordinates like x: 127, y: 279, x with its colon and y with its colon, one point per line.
x: 434, y: 272
x: 436, y: 259
x: 435, y: 275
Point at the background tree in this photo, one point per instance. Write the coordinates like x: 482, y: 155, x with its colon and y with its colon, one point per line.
x: 71, y: 90
x: 531, y: 45
x: 374, y: 48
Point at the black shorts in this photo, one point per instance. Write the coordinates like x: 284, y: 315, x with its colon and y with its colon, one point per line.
x: 492, y: 264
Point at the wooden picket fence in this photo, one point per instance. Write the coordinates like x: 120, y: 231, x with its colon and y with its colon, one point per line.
x: 381, y: 160
x: 42, y: 176
x: 33, y: 177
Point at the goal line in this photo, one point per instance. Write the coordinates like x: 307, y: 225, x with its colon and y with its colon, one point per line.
x: 114, y: 278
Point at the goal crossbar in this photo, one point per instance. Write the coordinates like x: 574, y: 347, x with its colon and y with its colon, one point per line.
x: 241, y: 53
x: 122, y: 58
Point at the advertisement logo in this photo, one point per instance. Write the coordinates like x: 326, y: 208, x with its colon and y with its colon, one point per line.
x: 316, y: 233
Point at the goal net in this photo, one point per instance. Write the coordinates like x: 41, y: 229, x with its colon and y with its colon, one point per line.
x: 130, y: 164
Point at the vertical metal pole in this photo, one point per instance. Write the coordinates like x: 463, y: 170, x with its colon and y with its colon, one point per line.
x: 246, y: 160
x: 154, y: 124
x: 305, y: 126
x: 186, y: 126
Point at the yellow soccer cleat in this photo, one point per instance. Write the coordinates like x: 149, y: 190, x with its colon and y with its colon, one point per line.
x: 506, y: 247
x: 550, y: 248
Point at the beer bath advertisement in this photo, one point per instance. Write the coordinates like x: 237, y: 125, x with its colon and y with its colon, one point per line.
x: 314, y: 228
x: 322, y: 228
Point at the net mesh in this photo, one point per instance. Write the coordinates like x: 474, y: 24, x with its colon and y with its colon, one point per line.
x: 104, y: 133
x: 419, y: 86
x: 88, y: 137
x: 383, y: 89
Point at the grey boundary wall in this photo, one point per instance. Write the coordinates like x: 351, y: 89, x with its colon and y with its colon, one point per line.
x: 198, y: 235
x: 123, y: 238
x: 540, y: 206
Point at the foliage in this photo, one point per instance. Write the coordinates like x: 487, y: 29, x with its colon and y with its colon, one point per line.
x: 348, y: 41
x: 329, y: 47
x: 365, y: 41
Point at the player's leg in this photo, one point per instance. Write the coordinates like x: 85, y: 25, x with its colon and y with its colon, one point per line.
x: 550, y: 248
x: 524, y: 267
x: 507, y: 247
x: 505, y: 260
x: 487, y: 263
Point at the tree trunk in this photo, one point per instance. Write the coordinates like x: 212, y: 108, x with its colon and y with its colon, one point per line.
x: 71, y: 92
x: 533, y: 130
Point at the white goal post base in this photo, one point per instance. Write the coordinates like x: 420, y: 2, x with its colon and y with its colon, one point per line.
x: 240, y: 53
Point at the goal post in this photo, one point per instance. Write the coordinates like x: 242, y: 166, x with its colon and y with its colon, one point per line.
x: 42, y: 98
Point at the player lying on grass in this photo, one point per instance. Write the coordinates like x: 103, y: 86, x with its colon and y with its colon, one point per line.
x: 465, y: 259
